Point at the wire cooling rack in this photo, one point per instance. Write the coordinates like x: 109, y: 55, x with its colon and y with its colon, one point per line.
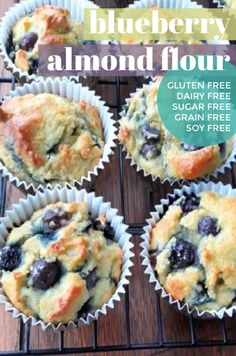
x: 136, y: 230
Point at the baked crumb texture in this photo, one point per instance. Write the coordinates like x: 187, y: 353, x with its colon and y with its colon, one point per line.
x: 62, y: 264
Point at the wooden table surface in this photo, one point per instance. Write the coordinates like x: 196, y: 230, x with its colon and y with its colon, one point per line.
x: 140, y: 196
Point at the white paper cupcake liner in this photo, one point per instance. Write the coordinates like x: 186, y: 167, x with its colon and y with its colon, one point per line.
x: 224, y: 190
x: 24, y: 8
x: 71, y: 91
x: 23, y: 211
x: 221, y: 170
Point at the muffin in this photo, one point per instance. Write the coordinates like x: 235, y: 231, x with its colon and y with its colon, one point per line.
x: 192, y: 251
x: 61, y: 264
x: 47, y: 25
x: 46, y: 138
x: 162, y: 41
x: 155, y: 150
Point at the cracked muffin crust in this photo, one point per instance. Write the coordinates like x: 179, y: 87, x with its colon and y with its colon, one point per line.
x: 48, y: 24
x: 192, y: 250
x: 156, y: 151
x: 61, y: 264
x: 45, y: 138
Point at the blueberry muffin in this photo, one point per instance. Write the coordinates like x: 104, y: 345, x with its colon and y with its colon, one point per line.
x: 48, y: 25
x: 163, y: 41
x: 62, y: 264
x: 192, y: 251
x: 156, y: 151
x: 45, y: 138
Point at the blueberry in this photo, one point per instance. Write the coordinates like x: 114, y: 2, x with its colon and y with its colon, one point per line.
x: 10, y: 258
x: 189, y: 203
x: 44, y: 274
x: 28, y: 41
x: 56, y: 219
x: 207, y: 226
x: 151, y: 133
x: 113, y: 281
x: 84, y: 310
x: 190, y: 148
x: 153, y: 257
x: 33, y: 66
x: 12, y: 56
x: 106, y: 228
x: 88, y: 226
x: 91, y: 278
x: 97, y: 225
x: 182, y: 254
x: 222, y: 147
x: 150, y: 150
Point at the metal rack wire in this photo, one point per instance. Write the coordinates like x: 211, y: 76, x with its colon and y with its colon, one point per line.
x: 134, y: 229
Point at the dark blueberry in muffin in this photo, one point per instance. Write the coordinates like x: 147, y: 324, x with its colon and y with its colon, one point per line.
x: 182, y: 254
x: 150, y: 150
x: 189, y: 203
x: 33, y: 66
x: 44, y: 274
x: 12, y: 56
x: 10, y: 258
x: 151, y: 133
x: 54, y: 220
x: 153, y: 257
x: 84, y: 310
x: 190, y: 148
x: 28, y: 41
x: 97, y: 225
x: 106, y: 228
x: 222, y: 147
x: 207, y: 226
x: 91, y: 278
